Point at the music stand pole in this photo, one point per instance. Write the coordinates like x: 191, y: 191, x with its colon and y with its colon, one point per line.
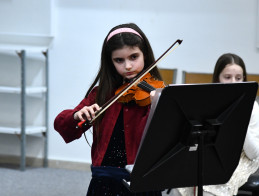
x: 200, y: 163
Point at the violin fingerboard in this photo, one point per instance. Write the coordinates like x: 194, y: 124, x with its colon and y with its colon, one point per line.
x: 145, y: 86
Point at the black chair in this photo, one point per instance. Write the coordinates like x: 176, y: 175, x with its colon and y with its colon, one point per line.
x: 251, y: 186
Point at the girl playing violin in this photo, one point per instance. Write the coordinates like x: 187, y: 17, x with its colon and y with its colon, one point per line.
x: 126, y: 51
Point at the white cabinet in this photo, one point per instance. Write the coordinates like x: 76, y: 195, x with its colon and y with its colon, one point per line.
x: 23, y: 97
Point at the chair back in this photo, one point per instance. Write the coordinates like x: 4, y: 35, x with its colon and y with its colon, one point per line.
x: 193, y: 78
x: 253, y: 77
x: 168, y: 75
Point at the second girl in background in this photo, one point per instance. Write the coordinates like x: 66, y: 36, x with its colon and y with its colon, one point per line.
x: 230, y: 68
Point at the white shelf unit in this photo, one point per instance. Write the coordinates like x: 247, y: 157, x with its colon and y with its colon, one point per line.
x: 28, y: 90
x: 22, y: 44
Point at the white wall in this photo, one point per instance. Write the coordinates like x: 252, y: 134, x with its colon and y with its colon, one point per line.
x: 208, y: 29
x: 25, y: 16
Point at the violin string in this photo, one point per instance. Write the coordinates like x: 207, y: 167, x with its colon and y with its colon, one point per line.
x: 109, y: 103
x: 144, y: 85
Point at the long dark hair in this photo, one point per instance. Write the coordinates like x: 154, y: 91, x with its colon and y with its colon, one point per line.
x: 224, y: 60
x: 108, y: 78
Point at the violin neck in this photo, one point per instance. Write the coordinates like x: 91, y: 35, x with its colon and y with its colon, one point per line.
x: 145, y: 86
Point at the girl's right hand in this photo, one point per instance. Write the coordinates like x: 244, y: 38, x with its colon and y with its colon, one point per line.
x: 87, y: 112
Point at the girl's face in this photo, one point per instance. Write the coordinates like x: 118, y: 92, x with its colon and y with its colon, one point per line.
x: 231, y: 73
x: 128, y: 61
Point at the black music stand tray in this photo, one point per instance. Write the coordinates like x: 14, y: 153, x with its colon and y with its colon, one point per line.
x: 193, y: 137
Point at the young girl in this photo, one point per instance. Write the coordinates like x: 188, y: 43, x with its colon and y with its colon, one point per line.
x: 230, y: 68
x: 116, y: 133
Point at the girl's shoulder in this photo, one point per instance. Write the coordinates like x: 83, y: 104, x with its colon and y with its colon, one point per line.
x: 91, y: 97
x: 256, y: 106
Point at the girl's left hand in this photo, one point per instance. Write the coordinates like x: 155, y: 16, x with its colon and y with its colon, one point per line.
x: 152, y: 94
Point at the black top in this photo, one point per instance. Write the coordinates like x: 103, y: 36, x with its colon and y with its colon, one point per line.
x: 115, y: 155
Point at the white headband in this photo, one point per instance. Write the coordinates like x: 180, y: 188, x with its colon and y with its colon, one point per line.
x: 122, y: 30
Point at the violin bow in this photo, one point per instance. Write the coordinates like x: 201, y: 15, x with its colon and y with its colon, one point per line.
x: 132, y: 83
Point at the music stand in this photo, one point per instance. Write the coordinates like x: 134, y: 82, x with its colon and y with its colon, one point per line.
x: 193, y: 137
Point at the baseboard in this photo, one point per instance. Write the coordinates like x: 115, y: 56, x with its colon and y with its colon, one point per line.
x: 38, y: 162
x: 69, y: 165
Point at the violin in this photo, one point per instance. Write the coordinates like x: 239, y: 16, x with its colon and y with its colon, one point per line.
x: 128, y: 86
x: 140, y: 93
